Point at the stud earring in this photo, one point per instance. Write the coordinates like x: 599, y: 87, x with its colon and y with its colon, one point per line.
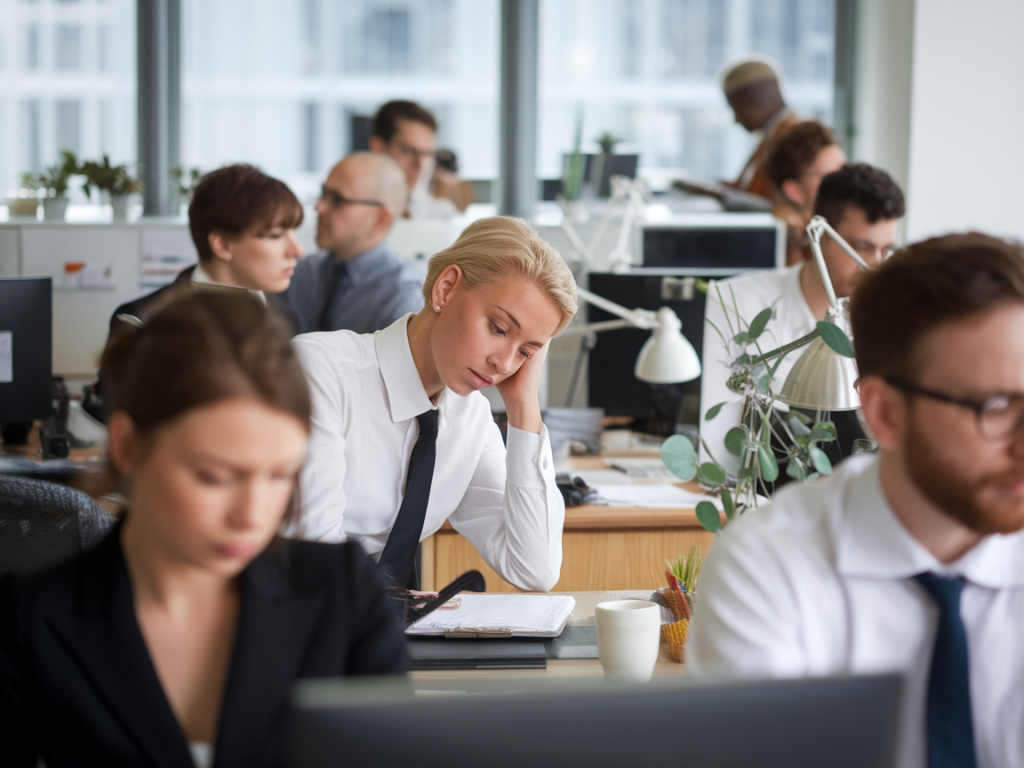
x: 437, y: 308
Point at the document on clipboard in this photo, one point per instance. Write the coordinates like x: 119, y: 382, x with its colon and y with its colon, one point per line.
x: 498, y: 616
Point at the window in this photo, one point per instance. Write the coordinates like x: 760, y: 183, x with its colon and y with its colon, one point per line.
x: 69, y: 46
x: 290, y: 88
x: 75, y: 83
x: 648, y: 71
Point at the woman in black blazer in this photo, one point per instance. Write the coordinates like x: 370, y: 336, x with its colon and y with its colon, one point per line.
x: 176, y: 640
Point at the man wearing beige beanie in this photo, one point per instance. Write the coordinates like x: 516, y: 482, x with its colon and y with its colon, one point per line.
x: 752, y: 90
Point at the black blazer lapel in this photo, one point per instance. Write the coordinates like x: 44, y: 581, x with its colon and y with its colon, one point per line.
x: 104, y: 638
x: 275, y: 624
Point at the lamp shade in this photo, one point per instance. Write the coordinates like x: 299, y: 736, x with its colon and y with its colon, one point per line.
x: 822, y: 380
x: 667, y: 357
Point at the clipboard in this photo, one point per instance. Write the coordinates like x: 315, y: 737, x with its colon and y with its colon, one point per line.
x: 498, y: 616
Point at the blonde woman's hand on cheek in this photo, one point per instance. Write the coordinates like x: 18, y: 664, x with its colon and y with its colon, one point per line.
x: 519, y: 392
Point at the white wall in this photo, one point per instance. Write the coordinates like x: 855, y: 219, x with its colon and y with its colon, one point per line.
x: 940, y: 105
x: 967, y: 118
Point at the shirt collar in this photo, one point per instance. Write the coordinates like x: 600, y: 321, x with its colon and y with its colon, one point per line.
x: 200, y: 275
x: 871, y: 542
x: 406, y: 396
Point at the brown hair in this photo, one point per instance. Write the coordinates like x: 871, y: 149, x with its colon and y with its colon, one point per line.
x: 924, y: 286
x: 501, y: 247
x: 385, y: 122
x: 239, y: 199
x: 859, y: 185
x: 796, y: 150
x: 205, y: 347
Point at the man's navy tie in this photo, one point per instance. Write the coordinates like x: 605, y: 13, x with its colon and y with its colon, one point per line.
x: 335, y: 283
x: 397, y: 559
x: 949, y: 720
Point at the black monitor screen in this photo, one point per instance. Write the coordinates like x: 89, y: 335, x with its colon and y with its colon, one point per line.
x: 612, y: 385
x: 725, y: 248
x: 26, y: 348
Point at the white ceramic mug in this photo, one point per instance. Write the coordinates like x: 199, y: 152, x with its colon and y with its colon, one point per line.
x: 628, y: 636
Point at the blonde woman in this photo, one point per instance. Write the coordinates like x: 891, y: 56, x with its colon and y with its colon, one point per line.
x: 402, y: 438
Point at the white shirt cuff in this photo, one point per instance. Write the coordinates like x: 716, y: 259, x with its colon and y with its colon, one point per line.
x: 528, y: 458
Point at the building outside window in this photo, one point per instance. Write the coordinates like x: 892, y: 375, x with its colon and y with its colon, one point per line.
x: 67, y: 81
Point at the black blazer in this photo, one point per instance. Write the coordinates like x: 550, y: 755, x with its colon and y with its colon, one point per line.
x: 143, y: 306
x: 78, y: 687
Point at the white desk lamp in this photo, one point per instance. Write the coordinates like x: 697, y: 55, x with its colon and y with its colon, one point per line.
x: 665, y: 358
x: 822, y: 379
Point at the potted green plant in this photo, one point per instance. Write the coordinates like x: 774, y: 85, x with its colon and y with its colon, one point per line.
x: 767, y: 438
x: 185, y: 180
x: 115, y: 181
x: 53, y: 183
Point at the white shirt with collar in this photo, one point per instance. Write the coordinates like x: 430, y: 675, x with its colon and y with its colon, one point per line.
x: 367, y: 394
x: 750, y: 294
x: 820, y: 583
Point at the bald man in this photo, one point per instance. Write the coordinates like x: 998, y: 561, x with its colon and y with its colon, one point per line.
x: 752, y: 90
x: 356, y: 282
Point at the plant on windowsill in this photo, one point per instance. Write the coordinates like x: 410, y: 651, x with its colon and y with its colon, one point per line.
x: 115, y: 181
x: 185, y: 180
x: 53, y: 183
x: 797, y: 438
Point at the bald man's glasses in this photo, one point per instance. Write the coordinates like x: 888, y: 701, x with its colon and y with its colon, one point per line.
x: 336, y: 199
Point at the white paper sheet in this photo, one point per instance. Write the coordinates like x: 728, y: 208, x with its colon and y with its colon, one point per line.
x: 661, y: 495
x: 636, y: 468
x: 527, y: 614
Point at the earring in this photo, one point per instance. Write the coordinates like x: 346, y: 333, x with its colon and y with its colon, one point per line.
x: 437, y: 308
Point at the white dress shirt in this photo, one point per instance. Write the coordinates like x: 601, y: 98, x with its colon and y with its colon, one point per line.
x: 750, y: 293
x: 820, y: 583
x: 366, y: 396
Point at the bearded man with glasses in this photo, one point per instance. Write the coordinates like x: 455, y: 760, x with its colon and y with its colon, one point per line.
x: 356, y: 281
x: 911, y: 561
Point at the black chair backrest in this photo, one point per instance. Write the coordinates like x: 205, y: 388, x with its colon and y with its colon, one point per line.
x: 43, y: 524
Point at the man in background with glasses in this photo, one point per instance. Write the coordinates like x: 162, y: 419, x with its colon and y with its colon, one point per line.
x: 356, y: 282
x: 911, y: 561
x: 864, y: 205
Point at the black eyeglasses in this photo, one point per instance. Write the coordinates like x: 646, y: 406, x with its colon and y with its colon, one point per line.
x: 998, y: 416
x: 334, y: 199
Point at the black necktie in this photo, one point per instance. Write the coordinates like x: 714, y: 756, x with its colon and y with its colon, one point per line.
x: 335, y: 282
x: 396, y: 561
x: 950, y: 726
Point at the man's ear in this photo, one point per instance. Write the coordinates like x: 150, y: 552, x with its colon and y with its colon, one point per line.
x: 220, y: 244
x: 446, y: 282
x: 377, y: 144
x: 885, y: 411
x: 793, y: 192
x: 383, y: 222
x: 122, y: 443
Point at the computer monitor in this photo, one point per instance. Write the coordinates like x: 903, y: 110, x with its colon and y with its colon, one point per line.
x: 714, y: 244
x: 26, y: 348
x: 605, y: 165
x: 835, y: 722
x: 610, y: 381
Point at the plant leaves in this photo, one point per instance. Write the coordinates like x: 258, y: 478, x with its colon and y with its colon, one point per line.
x: 730, y: 508
x: 760, y: 322
x: 769, y: 466
x: 743, y: 337
x: 802, y: 417
x: 735, y: 440
x: 711, y: 475
x: 824, y: 431
x: 764, y: 384
x: 821, y: 462
x: 680, y: 457
x: 795, y: 470
x: 798, y: 427
x: 833, y: 335
x: 713, y: 411
x: 708, y: 517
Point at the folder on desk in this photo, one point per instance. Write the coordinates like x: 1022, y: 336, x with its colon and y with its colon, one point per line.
x: 498, y: 616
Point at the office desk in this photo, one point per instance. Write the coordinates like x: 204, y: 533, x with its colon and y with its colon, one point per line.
x: 603, y: 547
x: 582, y: 615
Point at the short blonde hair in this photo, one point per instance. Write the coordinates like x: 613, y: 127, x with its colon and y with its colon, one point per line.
x: 502, y: 247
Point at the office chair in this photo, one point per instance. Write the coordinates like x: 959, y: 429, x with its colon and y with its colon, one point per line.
x: 43, y: 524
